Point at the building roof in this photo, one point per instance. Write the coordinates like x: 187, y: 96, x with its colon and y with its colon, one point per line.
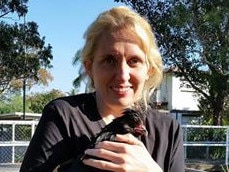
x: 20, y: 116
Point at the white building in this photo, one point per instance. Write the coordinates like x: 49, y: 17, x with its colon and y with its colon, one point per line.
x: 181, y: 102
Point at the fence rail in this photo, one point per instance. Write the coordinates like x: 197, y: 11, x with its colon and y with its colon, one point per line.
x: 215, y: 137
x: 206, y: 142
x: 14, y: 140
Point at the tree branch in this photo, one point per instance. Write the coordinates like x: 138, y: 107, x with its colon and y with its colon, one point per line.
x: 4, y: 14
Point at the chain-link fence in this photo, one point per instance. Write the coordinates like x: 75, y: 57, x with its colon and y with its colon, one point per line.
x: 200, y: 142
x: 207, y: 144
x: 14, y: 140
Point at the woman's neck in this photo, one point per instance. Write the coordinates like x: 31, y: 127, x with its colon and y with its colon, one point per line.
x: 108, y: 113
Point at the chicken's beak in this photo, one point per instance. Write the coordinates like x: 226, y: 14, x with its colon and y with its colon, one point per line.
x: 141, y: 130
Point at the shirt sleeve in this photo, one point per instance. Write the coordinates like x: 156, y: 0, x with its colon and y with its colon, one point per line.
x: 48, y: 146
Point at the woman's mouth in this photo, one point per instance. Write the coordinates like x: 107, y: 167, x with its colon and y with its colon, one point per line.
x: 121, y: 90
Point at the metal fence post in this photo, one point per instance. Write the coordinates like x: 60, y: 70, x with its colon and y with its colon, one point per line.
x: 227, y: 144
x: 185, y: 141
x: 13, y: 140
x: 33, y: 128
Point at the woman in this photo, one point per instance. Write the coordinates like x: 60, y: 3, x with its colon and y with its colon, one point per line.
x: 124, y: 65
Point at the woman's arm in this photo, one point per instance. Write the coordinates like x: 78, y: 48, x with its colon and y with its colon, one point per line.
x: 47, y: 147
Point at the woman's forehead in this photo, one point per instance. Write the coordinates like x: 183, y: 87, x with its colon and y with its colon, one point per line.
x: 121, y: 35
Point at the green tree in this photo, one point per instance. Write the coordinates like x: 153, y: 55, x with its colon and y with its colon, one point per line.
x: 77, y: 62
x: 11, y: 6
x: 226, y: 112
x: 82, y: 76
x: 72, y: 92
x: 13, y: 103
x: 193, y: 38
x: 23, y: 53
x: 37, y: 101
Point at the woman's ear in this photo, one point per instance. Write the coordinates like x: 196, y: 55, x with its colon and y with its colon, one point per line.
x: 88, y: 67
x: 149, y: 73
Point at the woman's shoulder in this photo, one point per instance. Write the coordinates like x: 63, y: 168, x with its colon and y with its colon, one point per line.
x: 73, y: 100
x: 161, y: 119
x: 70, y: 104
x: 71, y: 108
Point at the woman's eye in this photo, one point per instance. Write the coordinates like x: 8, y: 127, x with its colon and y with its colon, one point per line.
x: 134, y: 61
x: 110, y: 60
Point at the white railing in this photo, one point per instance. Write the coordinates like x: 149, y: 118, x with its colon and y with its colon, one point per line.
x: 207, y: 143
x: 14, y: 140
x: 16, y: 135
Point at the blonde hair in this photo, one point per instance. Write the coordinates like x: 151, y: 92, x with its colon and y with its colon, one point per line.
x: 123, y: 18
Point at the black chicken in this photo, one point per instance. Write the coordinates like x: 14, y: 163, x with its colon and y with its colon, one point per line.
x: 132, y: 121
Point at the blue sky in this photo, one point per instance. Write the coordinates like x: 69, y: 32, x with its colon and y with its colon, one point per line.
x: 63, y: 24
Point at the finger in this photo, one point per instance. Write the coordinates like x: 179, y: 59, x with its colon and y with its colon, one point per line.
x: 119, y: 147
x: 101, y: 164
x: 128, y: 138
x: 103, y: 154
x: 116, y: 147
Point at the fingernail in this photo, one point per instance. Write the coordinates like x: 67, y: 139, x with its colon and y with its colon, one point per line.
x: 84, y: 161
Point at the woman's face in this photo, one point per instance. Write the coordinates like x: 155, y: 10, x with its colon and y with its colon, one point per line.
x: 118, y: 70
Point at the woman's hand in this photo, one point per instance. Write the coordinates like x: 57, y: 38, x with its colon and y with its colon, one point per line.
x: 126, y: 154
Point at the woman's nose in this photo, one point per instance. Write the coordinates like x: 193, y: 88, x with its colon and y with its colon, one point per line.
x: 123, y: 71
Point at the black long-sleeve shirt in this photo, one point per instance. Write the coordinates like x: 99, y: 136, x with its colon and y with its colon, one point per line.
x: 67, y: 125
